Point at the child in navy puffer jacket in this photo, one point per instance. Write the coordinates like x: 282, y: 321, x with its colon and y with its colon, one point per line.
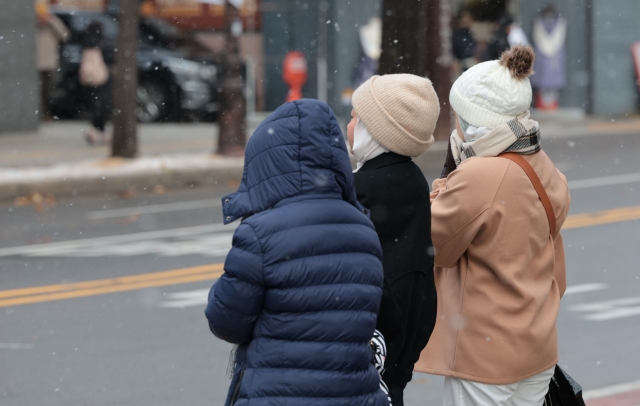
x: 303, y: 282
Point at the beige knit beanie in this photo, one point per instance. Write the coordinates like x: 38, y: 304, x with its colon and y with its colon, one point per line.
x: 492, y: 93
x: 400, y: 111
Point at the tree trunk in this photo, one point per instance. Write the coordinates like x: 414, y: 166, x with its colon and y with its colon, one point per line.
x: 438, y: 60
x: 402, y: 37
x: 125, y: 84
x: 233, y: 105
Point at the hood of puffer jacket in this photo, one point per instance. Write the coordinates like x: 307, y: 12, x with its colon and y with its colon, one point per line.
x: 298, y: 150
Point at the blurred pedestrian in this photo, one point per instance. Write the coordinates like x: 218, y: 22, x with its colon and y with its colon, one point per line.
x: 370, y: 36
x: 50, y: 32
x: 549, y: 35
x: 393, y: 119
x: 463, y: 43
x: 302, y: 283
x: 517, y: 35
x: 94, y: 76
x: 499, y: 256
x: 499, y: 40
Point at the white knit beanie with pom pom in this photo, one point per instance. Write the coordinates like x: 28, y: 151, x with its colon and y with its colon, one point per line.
x: 492, y: 93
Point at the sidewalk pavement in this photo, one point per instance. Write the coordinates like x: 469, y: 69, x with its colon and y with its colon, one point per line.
x: 57, y: 161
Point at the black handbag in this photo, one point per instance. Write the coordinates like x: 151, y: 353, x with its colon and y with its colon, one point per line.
x: 563, y: 390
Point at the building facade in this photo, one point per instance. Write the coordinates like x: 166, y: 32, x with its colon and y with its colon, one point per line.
x: 326, y: 31
x: 600, y: 72
x: 19, y: 95
x: 601, y: 77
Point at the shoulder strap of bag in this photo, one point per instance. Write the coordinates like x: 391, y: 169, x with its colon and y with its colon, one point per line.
x: 533, y: 177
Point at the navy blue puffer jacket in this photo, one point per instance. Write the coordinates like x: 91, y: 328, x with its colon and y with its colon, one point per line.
x: 303, y: 282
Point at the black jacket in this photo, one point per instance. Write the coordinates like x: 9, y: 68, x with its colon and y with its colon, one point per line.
x: 397, y: 193
x: 463, y: 44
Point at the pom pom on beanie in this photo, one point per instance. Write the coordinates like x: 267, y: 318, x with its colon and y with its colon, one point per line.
x: 519, y: 61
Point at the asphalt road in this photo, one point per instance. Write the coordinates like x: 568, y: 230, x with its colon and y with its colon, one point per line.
x: 91, y: 314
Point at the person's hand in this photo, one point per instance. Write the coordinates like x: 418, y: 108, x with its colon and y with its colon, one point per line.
x: 449, y: 163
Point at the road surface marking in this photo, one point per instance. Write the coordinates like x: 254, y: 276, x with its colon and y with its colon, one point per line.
x: 48, y: 293
x: 214, y: 240
x: 609, y: 309
x: 602, y: 217
x: 611, y: 390
x: 624, y: 399
x: 154, y: 208
x: 186, y: 240
x: 587, y: 287
x: 198, y: 297
x: 604, y: 181
x: 15, y: 346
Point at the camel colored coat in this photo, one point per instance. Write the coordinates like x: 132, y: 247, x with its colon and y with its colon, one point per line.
x: 499, y: 274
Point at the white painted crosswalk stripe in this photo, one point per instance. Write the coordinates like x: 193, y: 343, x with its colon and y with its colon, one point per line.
x: 210, y: 240
x: 603, y: 310
x: 599, y: 311
x: 154, y: 209
x: 198, y: 297
x: 609, y: 309
x: 604, y: 181
x: 584, y: 288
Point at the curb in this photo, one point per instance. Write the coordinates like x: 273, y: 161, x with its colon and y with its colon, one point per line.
x: 113, y: 176
x: 122, y: 176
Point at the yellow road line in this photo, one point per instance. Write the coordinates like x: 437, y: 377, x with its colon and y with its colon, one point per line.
x: 111, y: 282
x: 602, y: 217
x: 38, y: 294
x: 113, y: 285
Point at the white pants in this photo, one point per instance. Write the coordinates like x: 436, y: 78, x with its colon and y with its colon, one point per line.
x: 528, y: 392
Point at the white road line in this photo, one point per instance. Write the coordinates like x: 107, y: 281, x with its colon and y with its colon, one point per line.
x: 63, y: 246
x: 610, y: 309
x: 198, y: 297
x: 611, y: 390
x: 614, y: 314
x: 604, y: 181
x: 15, y: 346
x: 587, y: 287
x: 153, y: 208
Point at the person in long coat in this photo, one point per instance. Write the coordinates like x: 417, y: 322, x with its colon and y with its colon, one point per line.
x: 302, y: 285
x: 499, y: 256
x: 97, y: 96
x: 51, y: 32
x: 393, y: 119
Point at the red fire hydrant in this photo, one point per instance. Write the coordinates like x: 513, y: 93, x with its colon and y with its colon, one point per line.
x: 294, y: 74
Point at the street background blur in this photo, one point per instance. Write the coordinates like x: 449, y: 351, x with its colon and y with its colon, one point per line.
x: 123, y: 123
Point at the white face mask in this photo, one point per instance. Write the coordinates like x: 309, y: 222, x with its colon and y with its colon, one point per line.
x: 365, y: 147
x: 472, y: 133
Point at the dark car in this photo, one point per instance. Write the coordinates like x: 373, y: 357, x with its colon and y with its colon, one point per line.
x: 176, y: 79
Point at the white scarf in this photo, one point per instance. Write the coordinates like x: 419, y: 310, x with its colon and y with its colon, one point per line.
x: 520, y: 135
x: 365, y: 147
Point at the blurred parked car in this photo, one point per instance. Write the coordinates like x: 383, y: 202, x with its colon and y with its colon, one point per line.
x: 176, y: 78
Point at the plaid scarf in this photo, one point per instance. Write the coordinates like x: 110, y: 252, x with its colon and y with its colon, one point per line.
x: 520, y: 135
